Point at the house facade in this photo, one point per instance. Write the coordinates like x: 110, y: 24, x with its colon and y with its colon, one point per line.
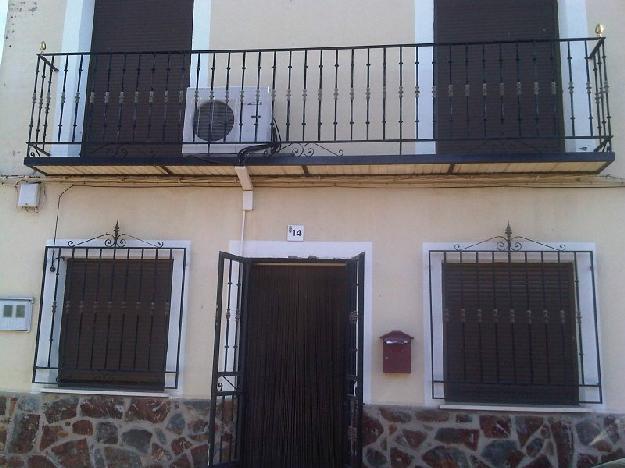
x: 288, y: 233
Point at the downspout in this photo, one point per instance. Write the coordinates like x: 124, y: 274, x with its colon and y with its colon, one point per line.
x: 247, y: 201
x: 241, y: 245
x: 246, y: 183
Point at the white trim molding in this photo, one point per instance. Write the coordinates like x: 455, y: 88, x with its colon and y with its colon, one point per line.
x: 4, y: 13
x: 434, y: 254
x: 517, y: 409
x: 325, y: 250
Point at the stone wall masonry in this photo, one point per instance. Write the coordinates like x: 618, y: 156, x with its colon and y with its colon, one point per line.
x: 404, y: 437
x: 52, y: 430
x: 63, y: 430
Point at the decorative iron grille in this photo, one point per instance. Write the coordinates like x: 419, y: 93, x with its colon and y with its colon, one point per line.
x: 111, y: 313
x: 514, y: 320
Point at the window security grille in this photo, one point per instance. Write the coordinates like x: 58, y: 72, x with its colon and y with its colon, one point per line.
x: 516, y: 324
x: 111, y: 314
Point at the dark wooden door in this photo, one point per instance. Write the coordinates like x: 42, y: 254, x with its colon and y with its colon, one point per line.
x: 295, y: 366
x: 134, y: 104
x: 497, y: 97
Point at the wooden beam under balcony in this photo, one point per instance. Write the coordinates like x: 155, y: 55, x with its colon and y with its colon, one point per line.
x: 325, y: 166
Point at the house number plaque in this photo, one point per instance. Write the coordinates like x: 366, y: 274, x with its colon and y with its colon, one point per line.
x: 295, y: 233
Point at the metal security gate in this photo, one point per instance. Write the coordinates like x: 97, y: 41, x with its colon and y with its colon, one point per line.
x: 230, y: 434
x: 226, y: 388
x: 354, y: 355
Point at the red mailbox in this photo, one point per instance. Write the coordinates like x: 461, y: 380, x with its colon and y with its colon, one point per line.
x: 396, y: 351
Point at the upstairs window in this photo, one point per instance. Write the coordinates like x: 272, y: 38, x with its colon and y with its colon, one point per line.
x: 498, y: 97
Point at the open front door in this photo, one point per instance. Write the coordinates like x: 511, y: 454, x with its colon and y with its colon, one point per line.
x: 226, y: 389
x: 354, y: 365
x: 293, y: 329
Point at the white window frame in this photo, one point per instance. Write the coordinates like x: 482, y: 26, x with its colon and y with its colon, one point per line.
x: 77, y: 33
x: 587, y: 278
x: 178, y: 305
x: 4, y: 17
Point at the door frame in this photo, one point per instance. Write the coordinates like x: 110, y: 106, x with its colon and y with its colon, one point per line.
x: 354, y: 395
x: 319, y: 251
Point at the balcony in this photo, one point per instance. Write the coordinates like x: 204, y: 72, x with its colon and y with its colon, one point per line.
x: 409, y: 109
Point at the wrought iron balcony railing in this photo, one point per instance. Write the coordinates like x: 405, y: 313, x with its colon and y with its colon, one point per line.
x: 408, y: 99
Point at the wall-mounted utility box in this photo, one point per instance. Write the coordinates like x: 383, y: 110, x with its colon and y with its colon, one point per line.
x: 16, y: 314
x: 396, y: 347
x: 28, y: 195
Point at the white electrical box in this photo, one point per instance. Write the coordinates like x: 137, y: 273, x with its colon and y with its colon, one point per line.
x: 28, y: 196
x: 248, y: 200
x: 16, y: 314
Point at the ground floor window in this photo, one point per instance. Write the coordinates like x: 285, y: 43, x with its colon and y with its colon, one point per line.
x: 513, y: 321
x: 509, y: 332
x: 111, y: 314
x: 115, y: 321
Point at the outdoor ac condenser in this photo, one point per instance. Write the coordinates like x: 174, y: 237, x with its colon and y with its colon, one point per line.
x: 230, y: 120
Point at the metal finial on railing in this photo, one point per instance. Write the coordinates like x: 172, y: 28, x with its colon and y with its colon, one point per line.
x: 116, y: 234
x: 508, y: 233
x: 600, y: 30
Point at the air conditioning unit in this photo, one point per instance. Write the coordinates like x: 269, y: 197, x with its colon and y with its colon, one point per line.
x: 229, y: 119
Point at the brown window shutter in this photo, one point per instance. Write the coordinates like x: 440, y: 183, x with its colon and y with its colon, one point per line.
x: 115, y: 323
x: 510, y: 333
x: 137, y: 26
x: 501, y: 122
x: 142, y: 25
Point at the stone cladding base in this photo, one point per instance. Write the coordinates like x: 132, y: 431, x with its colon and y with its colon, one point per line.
x: 63, y: 430
x: 412, y: 437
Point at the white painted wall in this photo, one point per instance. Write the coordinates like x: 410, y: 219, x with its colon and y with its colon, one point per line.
x: 396, y: 219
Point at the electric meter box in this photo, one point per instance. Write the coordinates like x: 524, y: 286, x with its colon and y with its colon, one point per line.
x: 15, y: 314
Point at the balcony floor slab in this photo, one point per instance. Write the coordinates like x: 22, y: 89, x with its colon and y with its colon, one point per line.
x: 322, y: 166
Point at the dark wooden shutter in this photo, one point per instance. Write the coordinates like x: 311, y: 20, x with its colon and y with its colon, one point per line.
x: 518, y: 120
x: 510, y: 333
x: 115, y: 323
x: 138, y: 26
